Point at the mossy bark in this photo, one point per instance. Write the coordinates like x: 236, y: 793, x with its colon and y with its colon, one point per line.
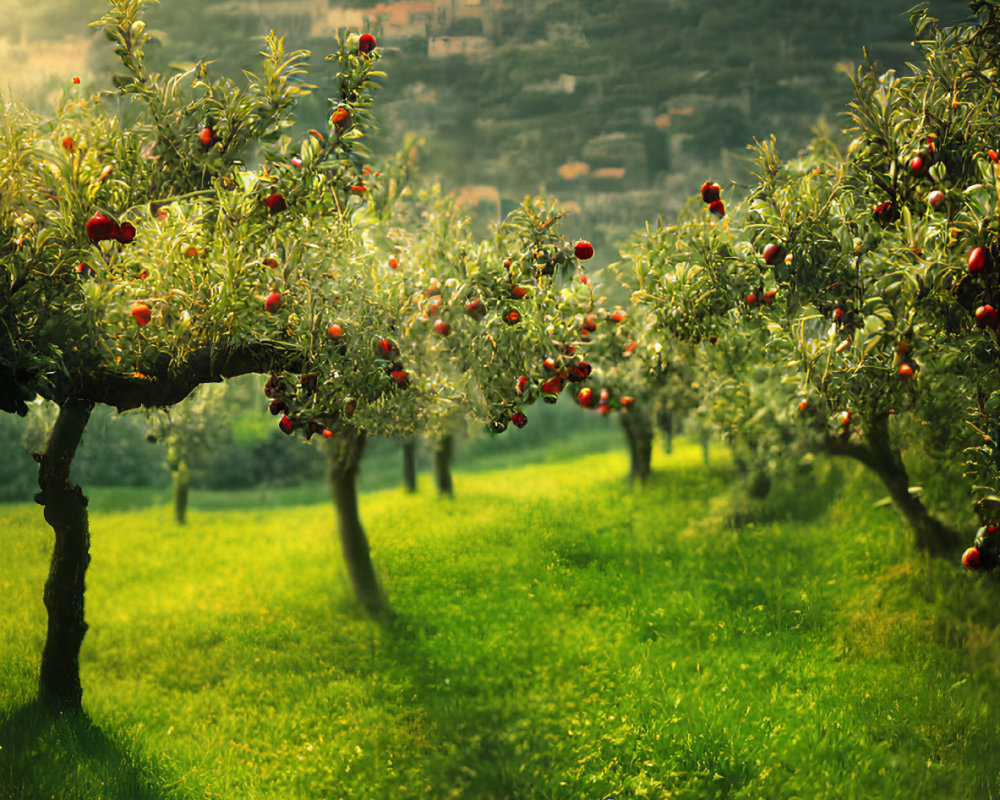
x: 65, y: 510
x: 343, y: 463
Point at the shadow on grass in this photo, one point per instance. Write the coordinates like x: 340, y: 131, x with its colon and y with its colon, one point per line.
x: 44, y: 754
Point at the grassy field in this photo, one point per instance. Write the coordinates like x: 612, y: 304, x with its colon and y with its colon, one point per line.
x: 556, y: 635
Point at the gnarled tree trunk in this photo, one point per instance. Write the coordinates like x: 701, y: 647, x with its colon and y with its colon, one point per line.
x: 638, y: 429
x: 410, y: 465
x: 879, y: 454
x: 65, y: 510
x: 665, y: 422
x: 443, y: 449
x: 343, y: 461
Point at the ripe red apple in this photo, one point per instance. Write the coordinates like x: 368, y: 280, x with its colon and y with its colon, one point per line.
x: 978, y: 259
x: 366, y: 43
x: 512, y: 317
x: 626, y: 401
x: 441, y: 327
x: 517, y: 292
x: 434, y: 306
x: 936, y: 199
x: 718, y: 208
x: 519, y: 420
x: 68, y: 144
x: 100, y: 228
x: 751, y: 300
x: 918, y: 165
x: 604, y: 408
x: 906, y: 369
x: 583, y: 250
x: 885, y: 212
x: 553, y: 386
x: 772, y: 253
x: 768, y: 297
x: 273, y: 302
x: 385, y: 347
x: 987, y: 316
x: 126, y: 233
x: 400, y: 377
x: 475, y: 309
x: 845, y: 418
x: 522, y: 384
x: 710, y: 191
x: 76, y: 79
x: 393, y: 263
x: 993, y: 156
x: 580, y: 372
x: 206, y: 137
x: 275, y: 203
x: 803, y: 405
x: 340, y: 117
x: 286, y: 424
x: 277, y: 406
x: 617, y: 316
x: 85, y: 270
x: 141, y: 313
x: 335, y: 331
x: 838, y: 314
x: 550, y: 364
x: 585, y: 397
x: 970, y: 558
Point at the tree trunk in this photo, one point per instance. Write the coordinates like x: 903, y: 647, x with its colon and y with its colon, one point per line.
x: 665, y: 420
x: 442, y: 466
x: 181, y: 480
x: 639, y: 431
x: 343, y: 461
x: 410, y: 465
x: 65, y: 510
x: 884, y: 459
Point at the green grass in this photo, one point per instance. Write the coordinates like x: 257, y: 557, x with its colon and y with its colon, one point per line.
x: 556, y: 635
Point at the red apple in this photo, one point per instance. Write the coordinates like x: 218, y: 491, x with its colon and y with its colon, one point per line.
x: 772, y: 253
x: 583, y: 250
x: 400, y: 377
x: 517, y: 292
x: 803, y: 405
x: 441, y: 327
x: 206, y: 136
x: 68, y: 144
x: 626, y: 401
x: 906, y: 369
x: 335, y: 331
x: 340, y: 117
x: 936, y: 199
x: 617, y: 316
x: 751, y: 300
x: 585, y: 397
x: 630, y: 349
x: 918, y: 165
x: 141, y: 313
x: 475, y: 309
x: 286, y: 424
x: 85, y: 270
x: 970, y: 558
x: 126, y: 233
x: 384, y: 347
x: 553, y: 386
x: 275, y: 203
x: 393, y: 263
x: 273, y: 302
x: 718, y: 208
x: 768, y: 297
x: 512, y: 317
x: 987, y: 316
x: 710, y: 191
x: 522, y: 384
x: 978, y: 259
x: 100, y: 228
x: 519, y: 420
x: 366, y: 43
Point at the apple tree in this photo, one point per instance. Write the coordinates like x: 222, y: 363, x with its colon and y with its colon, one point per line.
x: 143, y: 256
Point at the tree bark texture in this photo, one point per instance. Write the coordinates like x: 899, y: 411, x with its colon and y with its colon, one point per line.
x: 443, y: 450
x: 638, y: 429
x: 343, y: 462
x: 410, y: 465
x: 65, y: 510
x: 882, y: 457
